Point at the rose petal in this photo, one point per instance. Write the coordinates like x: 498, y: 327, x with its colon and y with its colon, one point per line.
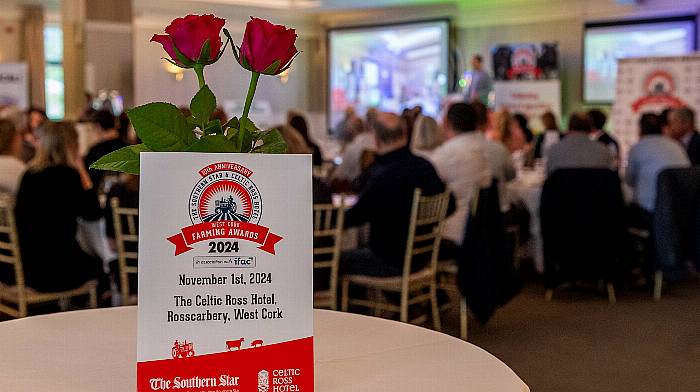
x: 167, y: 43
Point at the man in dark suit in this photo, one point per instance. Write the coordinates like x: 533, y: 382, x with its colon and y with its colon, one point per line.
x: 681, y: 126
x: 597, y: 119
x: 386, y: 199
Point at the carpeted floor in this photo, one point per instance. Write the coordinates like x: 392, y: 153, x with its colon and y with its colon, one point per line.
x: 581, y: 343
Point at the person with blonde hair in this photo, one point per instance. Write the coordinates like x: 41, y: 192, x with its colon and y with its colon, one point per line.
x: 11, y: 167
x: 54, y: 194
x: 549, y: 137
x: 426, y: 136
x: 295, y: 141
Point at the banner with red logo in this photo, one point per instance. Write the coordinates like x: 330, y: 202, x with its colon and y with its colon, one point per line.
x: 651, y: 84
x: 225, y: 273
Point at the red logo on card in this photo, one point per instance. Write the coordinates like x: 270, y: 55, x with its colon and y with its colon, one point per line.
x: 225, y: 203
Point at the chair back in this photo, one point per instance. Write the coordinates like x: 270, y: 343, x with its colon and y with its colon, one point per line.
x: 328, y: 231
x: 424, y: 232
x: 676, y: 221
x: 10, y: 256
x: 582, y: 224
x: 126, y: 238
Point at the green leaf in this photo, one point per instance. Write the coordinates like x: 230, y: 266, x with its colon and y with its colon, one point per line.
x: 214, y: 127
x: 213, y: 143
x: 124, y: 160
x: 273, y: 143
x: 205, y: 52
x: 233, y: 123
x: 245, y: 140
x: 203, y: 105
x: 270, y: 70
x: 162, y: 127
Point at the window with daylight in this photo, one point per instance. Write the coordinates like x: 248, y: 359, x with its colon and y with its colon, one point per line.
x: 53, y: 54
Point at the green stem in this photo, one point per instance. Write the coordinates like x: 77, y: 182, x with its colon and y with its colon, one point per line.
x: 199, y: 70
x: 251, y: 93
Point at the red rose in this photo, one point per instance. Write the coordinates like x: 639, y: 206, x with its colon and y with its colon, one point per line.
x: 189, y: 34
x: 264, y: 44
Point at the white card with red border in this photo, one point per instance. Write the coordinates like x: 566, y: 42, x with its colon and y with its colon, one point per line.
x: 225, y: 293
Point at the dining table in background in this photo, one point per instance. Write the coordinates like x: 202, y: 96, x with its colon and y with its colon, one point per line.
x: 527, y: 187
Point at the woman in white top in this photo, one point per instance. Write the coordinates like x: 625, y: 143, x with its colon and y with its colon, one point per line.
x: 426, y: 136
x: 11, y: 167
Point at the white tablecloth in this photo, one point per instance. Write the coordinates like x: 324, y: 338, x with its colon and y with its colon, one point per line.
x: 528, y: 187
x: 95, y: 350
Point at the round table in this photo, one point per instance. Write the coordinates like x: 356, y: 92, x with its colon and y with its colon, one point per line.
x: 95, y: 350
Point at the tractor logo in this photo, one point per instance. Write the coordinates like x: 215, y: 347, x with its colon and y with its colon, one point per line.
x: 225, y: 203
x: 225, y: 193
x: 182, y: 350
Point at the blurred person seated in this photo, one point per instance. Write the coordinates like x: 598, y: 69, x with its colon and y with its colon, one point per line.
x: 298, y: 122
x: 508, y: 132
x: 352, y: 165
x: 681, y: 126
x: 36, y: 118
x: 343, y: 130
x: 651, y: 155
x: 386, y: 199
x: 89, y: 112
x: 499, y: 159
x: 125, y: 132
x: 110, y: 140
x: 426, y: 136
x: 219, y: 114
x: 598, y: 119
x: 549, y: 137
x: 19, y: 119
x: 295, y: 142
x: 410, y: 116
x: 577, y: 150
x: 55, y: 193
x: 11, y: 166
x: 524, y: 126
x: 461, y: 163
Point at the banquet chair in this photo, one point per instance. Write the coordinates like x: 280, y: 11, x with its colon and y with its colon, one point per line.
x: 676, y: 226
x: 447, y: 271
x: 328, y: 232
x: 424, y: 235
x: 15, y: 299
x: 127, y: 239
x: 583, y: 229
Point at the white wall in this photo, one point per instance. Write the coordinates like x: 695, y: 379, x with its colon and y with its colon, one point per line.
x: 10, y: 34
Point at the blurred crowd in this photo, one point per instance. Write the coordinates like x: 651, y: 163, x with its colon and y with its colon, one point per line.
x: 383, y: 157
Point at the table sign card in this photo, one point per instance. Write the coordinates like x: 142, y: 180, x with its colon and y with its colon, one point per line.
x: 225, y: 273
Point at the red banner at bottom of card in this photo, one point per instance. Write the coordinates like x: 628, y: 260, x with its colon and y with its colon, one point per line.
x: 281, y: 367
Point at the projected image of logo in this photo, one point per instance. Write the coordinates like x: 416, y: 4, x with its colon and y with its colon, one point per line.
x: 225, y: 195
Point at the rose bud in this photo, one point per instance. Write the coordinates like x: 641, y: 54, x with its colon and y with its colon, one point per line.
x: 267, y: 48
x: 185, y: 40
